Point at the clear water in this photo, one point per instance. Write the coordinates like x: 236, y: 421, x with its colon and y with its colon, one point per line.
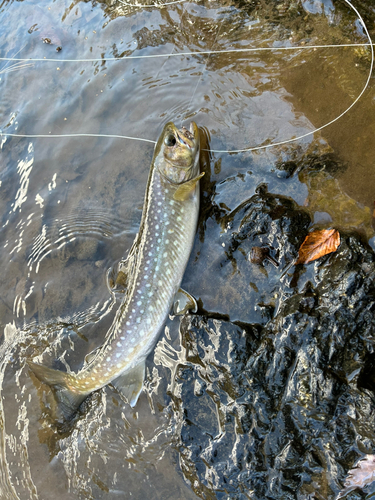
x: 70, y: 207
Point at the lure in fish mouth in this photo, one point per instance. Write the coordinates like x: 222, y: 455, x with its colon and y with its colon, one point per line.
x: 153, y: 270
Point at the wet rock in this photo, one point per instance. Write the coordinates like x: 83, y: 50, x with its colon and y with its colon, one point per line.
x: 282, y: 410
x: 245, y: 291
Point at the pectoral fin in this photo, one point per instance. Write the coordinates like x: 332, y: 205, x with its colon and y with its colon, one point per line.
x: 130, y: 384
x: 184, y: 302
x: 184, y: 190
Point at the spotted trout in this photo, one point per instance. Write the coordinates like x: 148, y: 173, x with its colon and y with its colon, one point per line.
x: 153, y: 273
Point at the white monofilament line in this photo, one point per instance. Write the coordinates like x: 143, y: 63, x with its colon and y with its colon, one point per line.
x: 258, y: 49
x: 184, y: 54
x: 150, y: 5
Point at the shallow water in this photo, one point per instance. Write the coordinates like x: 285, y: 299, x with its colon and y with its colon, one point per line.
x: 70, y: 207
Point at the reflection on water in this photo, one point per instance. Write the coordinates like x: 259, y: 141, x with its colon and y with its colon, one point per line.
x: 70, y: 208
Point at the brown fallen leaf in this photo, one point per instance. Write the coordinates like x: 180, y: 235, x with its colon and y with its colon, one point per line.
x: 317, y: 244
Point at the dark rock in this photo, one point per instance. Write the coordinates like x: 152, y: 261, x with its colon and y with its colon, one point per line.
x: 284, y: 410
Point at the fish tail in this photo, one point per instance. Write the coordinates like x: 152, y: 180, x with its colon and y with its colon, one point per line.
x: 60, y: 382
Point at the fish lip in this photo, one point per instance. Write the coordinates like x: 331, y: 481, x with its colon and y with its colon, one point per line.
x: 191, y: 143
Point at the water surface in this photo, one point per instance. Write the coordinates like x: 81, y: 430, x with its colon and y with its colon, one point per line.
x: 70, y: 207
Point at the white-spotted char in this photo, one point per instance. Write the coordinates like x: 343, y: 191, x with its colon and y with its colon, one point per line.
x: 154, y: 271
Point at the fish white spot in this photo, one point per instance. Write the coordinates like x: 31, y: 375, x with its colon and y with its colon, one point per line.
x: 149, y: 321
x: 173, y: 211
x: 118, y: 365
x: 166, y: 241
x: 150, y: 308
x: 127, y: 323
x: 142, y: 311
x: 118, y: 354
x: 157, y: 268
x: 165, y: 254
x: 132, y: 340
x: 171, y: 202
x: 157, y: 226
x: 133, y: 311
x: 108, y: 359
x: 147, y: 262
x: 159, y: 211
x: 175, y: 243
x: 146, y: 268
x: 150, y: 294
x: 178, y: 218
x: 150, y: 254
x: 122, y: 338
x: 138, y: 320
x: 166, y: 191
x: 168, y: 271
x: 170, y: 231
x: 182, y: 210
x: 128, y: 331
x: 131, y: 349
x: 119, y: 344
x: 159, y: 240
x: 93, y: 378
x: 148, y: 285
x: 139, y: 303
x: 159, y: 203
x: 160, y: 283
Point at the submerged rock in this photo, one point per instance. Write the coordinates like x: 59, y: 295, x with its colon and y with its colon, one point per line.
x: 282, y: 410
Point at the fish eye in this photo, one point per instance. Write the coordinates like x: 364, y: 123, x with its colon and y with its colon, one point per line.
x: 170, y: 140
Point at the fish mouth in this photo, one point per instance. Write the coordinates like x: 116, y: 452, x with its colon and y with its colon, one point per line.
x: 188, y: 138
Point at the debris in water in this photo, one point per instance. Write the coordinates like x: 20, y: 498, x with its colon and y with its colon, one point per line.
x: 317, y: 244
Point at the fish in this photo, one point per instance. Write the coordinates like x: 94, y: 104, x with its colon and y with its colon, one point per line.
x: 153, y: 273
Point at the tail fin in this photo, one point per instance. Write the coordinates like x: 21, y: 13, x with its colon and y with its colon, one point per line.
x: 60, y: 382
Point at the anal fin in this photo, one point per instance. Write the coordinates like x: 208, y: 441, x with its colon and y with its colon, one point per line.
x: 130, y: 383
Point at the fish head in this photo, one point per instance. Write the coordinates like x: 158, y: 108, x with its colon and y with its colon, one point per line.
x: 177, y: 153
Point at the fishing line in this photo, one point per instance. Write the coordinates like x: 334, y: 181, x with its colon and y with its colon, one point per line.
x: 209, y: 52
x: 55, y: 136
x: 175, y: 54
x: 150, y: 5
x: 257, y: 148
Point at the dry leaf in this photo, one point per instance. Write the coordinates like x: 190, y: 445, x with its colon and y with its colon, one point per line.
x: 360, y: 476
x: 317, y: 244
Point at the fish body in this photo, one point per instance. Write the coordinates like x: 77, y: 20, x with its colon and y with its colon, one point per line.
x: 153, y: 270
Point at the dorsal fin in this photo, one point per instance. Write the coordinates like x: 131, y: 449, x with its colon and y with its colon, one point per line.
x: 183, y: 191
